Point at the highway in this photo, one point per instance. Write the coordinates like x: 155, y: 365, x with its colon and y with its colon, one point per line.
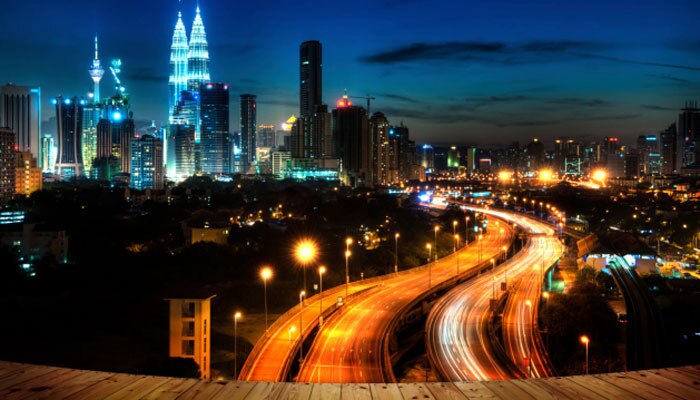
x: 457, y: 330
x: 349, y: 347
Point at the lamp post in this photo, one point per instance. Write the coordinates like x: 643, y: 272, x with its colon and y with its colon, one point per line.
x: 305, y: 252
x: 321, y: 271
x: 466, y: 231
x: 437, y: 228
x: 396, y: 253
x: 347, y: 272
x: 265, y: 274
x: 454, y: 233
x: 546, y: 301
x: 585, y: 340
x: 291, y: 330
x: 457, y: 240
x: 481, y: 245
x: 301, y: 327
x: 430, y: 264
x: 236, y: 317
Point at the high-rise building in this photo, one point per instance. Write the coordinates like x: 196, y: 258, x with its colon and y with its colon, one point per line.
x: 381, y: 164
x: 115, y: 131
x: 669, y: 143
x: 428, y: 158
x: 147, y: 163
x: 48, y: 153
x: 92, y: 113
x: 310, y: 77
x: 197, y: 56
x: 265, y: 136
x: 183, y: 144
x: 453, y: 157
x: 7, y: 164
x: 471, y: 159
x: 248, y: 130
x: 404, y: 152
x: 353, y: 143
x: 20, y: 110
x: 647, y: 146
x: 280, y: 163
x: 179, y: 49
x: 214, y: 146
x: 27, y: 174
x: 69, y: 119
x: 312, y: 135
x: 96, y: 73
x: 689, y: 135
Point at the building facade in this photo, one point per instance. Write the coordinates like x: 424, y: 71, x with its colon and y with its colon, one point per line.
x: 353, y: 144
x: 28, y: 178
x: 214, y: 146
x: 69, y: 119
x: 248, y: 130
x: 7, y: 164
x: 147, y: 163
x: 190, y: 331
x: 20, y: 110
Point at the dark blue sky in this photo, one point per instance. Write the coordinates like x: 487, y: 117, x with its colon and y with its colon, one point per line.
x: 453, y: 71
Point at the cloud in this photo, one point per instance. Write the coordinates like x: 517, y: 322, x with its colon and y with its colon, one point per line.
x: 575, y: 101
x: 398, y: 97
x: 673, y: 79
x: 653, y: 107
x: 143, y: 74
x: 506, y: 53
x: 288, y: 103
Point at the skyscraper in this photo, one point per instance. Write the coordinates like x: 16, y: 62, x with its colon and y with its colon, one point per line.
x: 28, y: 178
x: 115, y: 131
x: 183, y: 144
x: 179, y: 50
x: 7, y: 164
x: 381, y: 165
x: 669, y: 143
x: 310, y: 93
x: 20, y: 110
x: 147, y: 163
x: 91, y: 118
x: 248, y: 130
x: 48, y: 153
x: 197, y: 56
x: 96, y: 72
x: 214, y: 144
x: 353, y: 143
x: 69, y: 119
x: 689, y: 134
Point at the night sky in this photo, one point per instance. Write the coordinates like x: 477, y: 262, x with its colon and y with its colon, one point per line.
x: 453, y: 71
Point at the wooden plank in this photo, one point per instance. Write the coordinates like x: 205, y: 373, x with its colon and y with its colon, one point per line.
x: 507, y: 390
x: 539, y: 392
x: 285, y: 390
x: 139, y: 388
x: 323, y: 391
x: 640, y: 388
x: 8, y: 368
x: 171, y: 389
x: 665, y: 384
x: 601, y: 388
x: 445, y: 390
x: 564, y: 389
x: 415, y: 391
x: 65, y: 386
x: 25, y: 374
x: 387, y: 391
x: 356, y: 391
x: 33, y: 387
x: 202, y: 390
x: 676, y: 376
x: 261, y: 390
x: 105, y: 387
x: 234, y: 391
x: 475, y: 390
x: 691, y: 373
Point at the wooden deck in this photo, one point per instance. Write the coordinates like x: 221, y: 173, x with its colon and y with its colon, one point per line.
x: 24, y: 381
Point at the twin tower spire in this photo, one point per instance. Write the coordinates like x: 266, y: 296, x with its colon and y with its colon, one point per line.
x: 189, y: 62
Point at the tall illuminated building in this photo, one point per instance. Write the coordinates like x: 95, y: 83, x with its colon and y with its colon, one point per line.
x: 197, y: 56
x: 28, y: 178
x: 214, y: 142
x: 353, y: 143
x: 69, y: 119
x: 146, y: 163
x: 310, y: 79
x: 96, y: 72
x: 178, y: 64
x: 114, y: 133
x: 48, y: 153
x: 7, y: 164
x: 380, y: 156
x: 248, y: 130
x: 20, y: 110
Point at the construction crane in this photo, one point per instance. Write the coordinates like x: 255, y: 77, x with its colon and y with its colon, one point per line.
x: 369, y: 99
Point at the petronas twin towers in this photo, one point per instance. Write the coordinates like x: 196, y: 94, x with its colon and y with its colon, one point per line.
x: 189, y: 62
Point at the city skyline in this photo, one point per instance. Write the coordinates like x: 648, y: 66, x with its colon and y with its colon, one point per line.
x: 508, y: 78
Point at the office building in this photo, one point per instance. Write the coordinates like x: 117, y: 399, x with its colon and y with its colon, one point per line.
x: 183, y: 144
x: 471, y: 159
x: 669, y: 152
x: 265, y: 136
x: 197, y: 56
x: 310, y: 77
x: 20, y: 110
x: 381, y: 162
x: 453, y: 158
x: 190, y: 331
x: 69, y: 119
x: 280, y: 163
x: 248, y: 130
x: 214, y: 146
x: 92, y: 113
x: 647, y: 145
x: 179, y: 49
x: 28, y: 177
x: 147, y: 163
x: 353, y: 143
x: 7, y: 164
x: 689, y: 135
x: 48, y: 153
x: 115, y: 131
x: 428, y: 158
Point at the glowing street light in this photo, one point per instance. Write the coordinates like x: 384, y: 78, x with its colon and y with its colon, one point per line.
x: 430, y: 264
x: 305, y: 253
x: 265, y: 274
x: 454, y: 232
x: 437, y: 228
x: 396, y: 253
x: 546, y: 175
x: 466, y: 231
x: 585, y: 340
x: 321, y: 271
x: 457, y: 240
x: 347, y: 271
x: 236, y: 316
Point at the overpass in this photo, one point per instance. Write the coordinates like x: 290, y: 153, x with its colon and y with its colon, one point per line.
x: 25, y: 381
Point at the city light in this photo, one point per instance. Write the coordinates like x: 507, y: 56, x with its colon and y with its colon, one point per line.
x: 305, y: 251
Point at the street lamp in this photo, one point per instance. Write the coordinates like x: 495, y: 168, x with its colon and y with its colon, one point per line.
x: 481, y: 245
x: 437, y: 228
x: 430, y: 269
x: 301, y: 327
x: 347, y: 273
x: 585, y: 341
x: 454, y: 232
x: 305, y: 252
x: 265, y: 274
x: 321, y: 271
x: 466, y: 231
x: 396, y: 253
x: 457, y: 240
x: 236, y: 317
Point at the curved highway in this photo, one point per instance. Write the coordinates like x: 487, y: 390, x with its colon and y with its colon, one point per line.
x: 457, y: 336
x: 349, y: 347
